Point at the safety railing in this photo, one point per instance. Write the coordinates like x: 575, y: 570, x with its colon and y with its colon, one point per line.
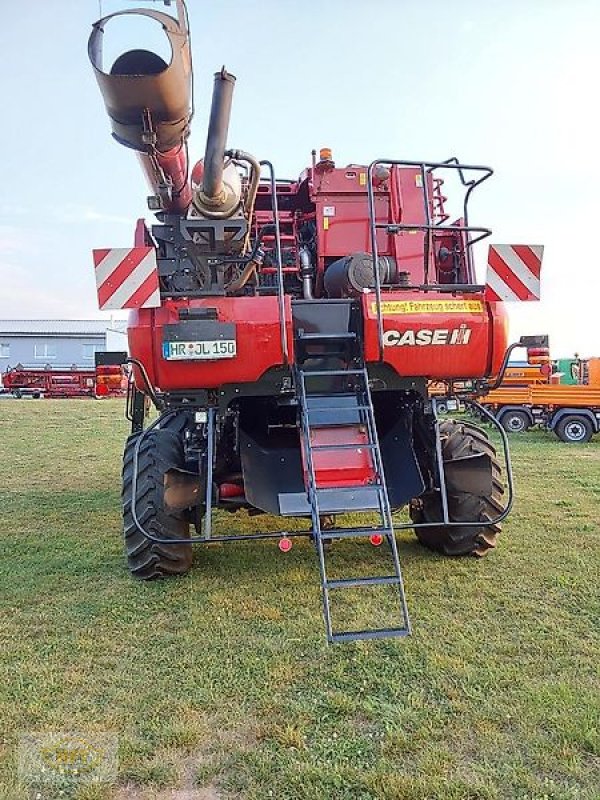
x: 278, y: 256
x: 472, y: 233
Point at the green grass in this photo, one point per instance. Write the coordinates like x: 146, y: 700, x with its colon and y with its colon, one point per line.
x: 222, y: 682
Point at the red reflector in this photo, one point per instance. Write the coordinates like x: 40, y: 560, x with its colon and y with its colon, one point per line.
x: 101, y: 390
x: 376, y: 539
x: 230, y: 490
x: 284, y: 544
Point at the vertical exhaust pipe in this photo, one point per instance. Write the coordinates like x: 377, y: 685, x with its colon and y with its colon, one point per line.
x: 217, y: 187
x: 216, y: 139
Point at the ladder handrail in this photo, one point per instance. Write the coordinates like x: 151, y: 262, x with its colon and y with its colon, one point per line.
x: 280, y: 288
x: 314, y: 502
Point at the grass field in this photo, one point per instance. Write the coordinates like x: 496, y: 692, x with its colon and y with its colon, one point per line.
x: 220, y: 684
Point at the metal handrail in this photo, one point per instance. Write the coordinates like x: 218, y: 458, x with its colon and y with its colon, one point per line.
x: 426, y: 168
x: 510, y: 482
x: 280, y: 288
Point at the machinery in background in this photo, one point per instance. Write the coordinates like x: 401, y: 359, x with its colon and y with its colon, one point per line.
x: 106, y: 380
x: 566, y: 401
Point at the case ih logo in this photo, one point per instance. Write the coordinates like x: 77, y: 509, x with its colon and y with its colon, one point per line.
x: 426, y: 337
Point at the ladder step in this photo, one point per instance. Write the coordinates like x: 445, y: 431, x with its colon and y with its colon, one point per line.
x: 334, y: 410
x: 318, y: 337
x: 355, y: 447
x: 330, y: 373
x: 349, y: 498
x: 317, y: 400
x: 344, y: 417
x: 316, y: 409
x: 349, y: 583
x: 381, y: 633
x: 349, y: 533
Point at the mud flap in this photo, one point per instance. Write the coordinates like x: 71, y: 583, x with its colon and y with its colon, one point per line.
x: 402, y: 472
x: 271, y: 469
x: 472, y: 474
x: 182, y: 489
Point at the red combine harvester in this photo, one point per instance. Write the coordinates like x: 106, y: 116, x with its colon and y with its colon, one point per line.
x: 289, y: 372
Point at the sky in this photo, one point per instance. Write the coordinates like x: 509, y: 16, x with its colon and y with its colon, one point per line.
x: 511, y: 84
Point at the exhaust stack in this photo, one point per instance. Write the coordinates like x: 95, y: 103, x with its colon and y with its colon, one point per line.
x: 217, y: 189
x: 148, y: 102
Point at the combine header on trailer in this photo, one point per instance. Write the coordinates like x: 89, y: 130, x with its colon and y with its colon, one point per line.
x: 287, y: 330
x: 52, y: 383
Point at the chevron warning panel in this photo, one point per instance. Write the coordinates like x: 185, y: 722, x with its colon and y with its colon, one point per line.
x: 514, y: 272
x: 127, y: 278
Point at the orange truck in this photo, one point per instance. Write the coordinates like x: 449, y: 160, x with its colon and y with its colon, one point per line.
x: 571, y: 411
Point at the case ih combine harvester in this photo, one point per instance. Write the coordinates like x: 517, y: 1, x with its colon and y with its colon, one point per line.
x: 289, y: 372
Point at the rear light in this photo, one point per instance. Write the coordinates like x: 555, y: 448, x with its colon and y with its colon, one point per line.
x: 109, y: 377
x: 538, y: 355
x: 284, y: 544
x: 376, y: 539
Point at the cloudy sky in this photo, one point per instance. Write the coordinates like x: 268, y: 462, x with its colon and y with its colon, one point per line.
x: 512, y: 84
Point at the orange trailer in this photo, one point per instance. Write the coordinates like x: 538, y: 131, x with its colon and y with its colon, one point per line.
x: 572, y: 412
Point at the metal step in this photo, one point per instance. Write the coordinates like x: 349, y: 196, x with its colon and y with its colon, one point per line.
x: 377, y: 633
x: 353, y: 446
x: 326, y: 337
x: 334, y: 410
x: 330, y: 373
x: 330, y: 418
x: 348, y: 499
x: 353, y: 533
x: 348, y: 583
x: 331, y: 501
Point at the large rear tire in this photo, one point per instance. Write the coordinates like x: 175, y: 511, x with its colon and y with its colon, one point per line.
x: 159, y: 451
x: 474, y: 487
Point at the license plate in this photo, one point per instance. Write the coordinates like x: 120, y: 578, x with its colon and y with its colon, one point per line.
x: 199, y: 351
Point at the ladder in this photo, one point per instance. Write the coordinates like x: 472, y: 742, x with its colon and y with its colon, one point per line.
x: 349, y: 402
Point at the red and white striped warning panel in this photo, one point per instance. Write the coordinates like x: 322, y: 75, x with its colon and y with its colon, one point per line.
x: 127, y: 277
x: 513, y: 272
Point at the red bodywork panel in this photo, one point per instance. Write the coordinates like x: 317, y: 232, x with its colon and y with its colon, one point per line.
x: 435, y: 335
x: 340, y: 467
x: 257, y: 335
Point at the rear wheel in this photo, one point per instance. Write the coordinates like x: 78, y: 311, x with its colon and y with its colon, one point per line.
x: 574, y: 429
x: 474, y: 489
x: 160, y: 450
x: 515, y: 421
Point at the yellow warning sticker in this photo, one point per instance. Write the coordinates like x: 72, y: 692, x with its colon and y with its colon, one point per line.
x: 362, y: 178
x: 325, y: 223
x: 429, y: 307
